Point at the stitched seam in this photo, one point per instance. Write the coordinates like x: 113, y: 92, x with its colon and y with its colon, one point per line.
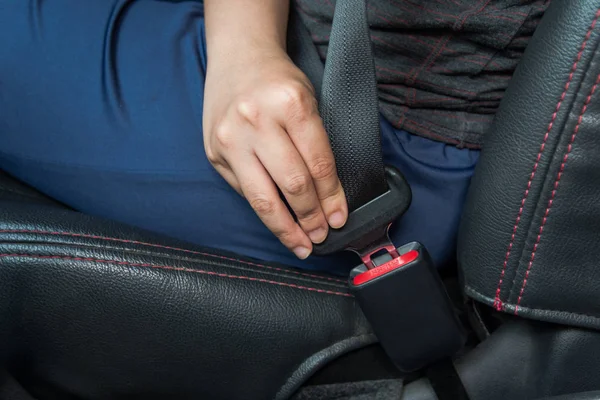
x: 554, y: 191
x: 466, y: 15
x: 498, y: 305
x: 182, y: 269
x: 475, y: 291
x: 86, y: 236
x: 561, y: 311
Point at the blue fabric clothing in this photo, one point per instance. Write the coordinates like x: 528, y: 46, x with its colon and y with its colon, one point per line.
x: 101, y: 108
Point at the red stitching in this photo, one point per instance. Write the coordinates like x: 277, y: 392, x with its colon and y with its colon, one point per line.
x: 83, y: 235
x: 487, y: 59
x: 424, y: 130
x: 497, y: 301
x: 458, y: 117
x: 476, y: 12
x: 553, y: 195
x: 502, y: 17
x: 492, y: 7
x: 375, y: 12
x: 439, y: 68
x: 183, y: 269
x: 483, y: 103
x: 415, y: 39
x: 439, y: 53
x: 393, y: 71
x: 429, y: 11
x: 375, y: 38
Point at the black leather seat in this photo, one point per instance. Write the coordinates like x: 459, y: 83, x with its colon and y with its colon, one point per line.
x: 97, y: 309
x: 93, y: 309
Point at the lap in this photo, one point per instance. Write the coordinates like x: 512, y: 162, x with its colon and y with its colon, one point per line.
x: 101, y: 108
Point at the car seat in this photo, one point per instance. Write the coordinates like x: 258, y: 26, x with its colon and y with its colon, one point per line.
x: 94, y: 309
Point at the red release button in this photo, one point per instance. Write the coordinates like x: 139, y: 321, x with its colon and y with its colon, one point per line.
x: 383, y: 269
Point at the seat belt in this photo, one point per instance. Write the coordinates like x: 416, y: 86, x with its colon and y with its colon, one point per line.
x: 351, y: 121
x: 348, y: 105
x: 398, y: 289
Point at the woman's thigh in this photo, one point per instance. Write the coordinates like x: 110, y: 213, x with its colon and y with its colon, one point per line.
x: 101, y: 108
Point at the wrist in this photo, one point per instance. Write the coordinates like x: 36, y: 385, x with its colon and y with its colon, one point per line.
x: 246, y: 53
x: 245, y: 31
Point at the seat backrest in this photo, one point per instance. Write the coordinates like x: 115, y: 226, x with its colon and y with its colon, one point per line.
x: 529, y: 240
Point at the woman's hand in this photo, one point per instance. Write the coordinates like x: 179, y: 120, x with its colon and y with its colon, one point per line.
x: 262, y: 132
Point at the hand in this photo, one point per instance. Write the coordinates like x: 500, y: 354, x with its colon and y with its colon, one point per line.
x: 262, y: 131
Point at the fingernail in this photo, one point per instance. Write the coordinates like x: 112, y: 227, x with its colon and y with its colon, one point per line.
x: 302, y: 252
x: 337, y: 220
x: 318, y: 235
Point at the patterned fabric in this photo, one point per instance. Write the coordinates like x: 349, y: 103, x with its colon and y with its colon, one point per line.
x: 442, y: 65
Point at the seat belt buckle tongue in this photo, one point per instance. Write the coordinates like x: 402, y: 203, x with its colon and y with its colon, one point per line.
x: 368, y: 223
x: 403, y: 298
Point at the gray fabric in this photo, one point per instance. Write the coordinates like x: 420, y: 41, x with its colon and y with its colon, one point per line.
x: 368, y: 390
x: 442, y: 65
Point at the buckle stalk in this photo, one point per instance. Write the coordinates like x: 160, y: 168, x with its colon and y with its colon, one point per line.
x: 383, y: 242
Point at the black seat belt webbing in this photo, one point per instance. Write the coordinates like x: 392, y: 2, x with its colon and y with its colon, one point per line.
x: 349, y: 105
x: 376, y: 194
x: 348, y: 102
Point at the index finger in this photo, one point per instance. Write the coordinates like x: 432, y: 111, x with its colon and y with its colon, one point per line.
x: 260, y: 191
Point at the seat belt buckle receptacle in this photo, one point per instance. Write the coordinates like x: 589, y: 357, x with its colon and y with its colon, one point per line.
x: 404, y: 300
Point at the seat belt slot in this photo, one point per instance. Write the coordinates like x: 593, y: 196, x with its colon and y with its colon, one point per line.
x: 405, y: 301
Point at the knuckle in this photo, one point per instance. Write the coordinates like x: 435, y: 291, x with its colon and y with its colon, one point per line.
x: 309, y: 215
x: 285, y: 236
x: 224, y: 136
x: 297, y: 100
x: 309, y: 86
x: 322, y: 168
x: 262, y: 206
x: 297, y: 185
x: 212, y: 157
x: 249, y: 111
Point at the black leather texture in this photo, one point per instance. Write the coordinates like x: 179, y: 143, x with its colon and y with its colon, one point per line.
x: 92, y: 309
x: 10, y: 389
x: 526, y: 360
x: 529, y: 240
